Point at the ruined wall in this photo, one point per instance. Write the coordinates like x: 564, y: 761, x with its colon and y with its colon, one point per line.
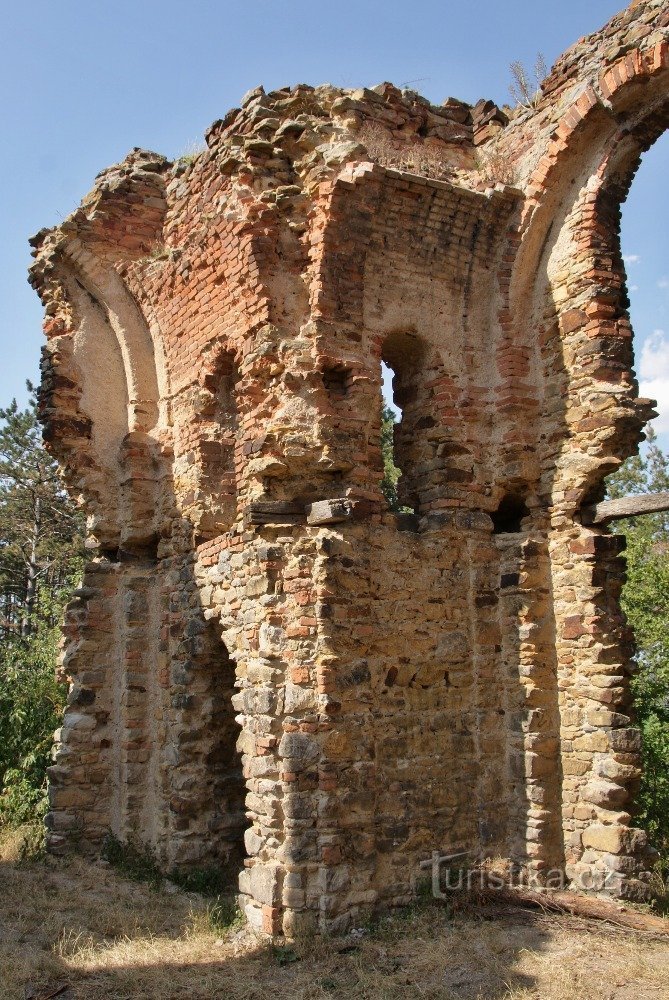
x: 270, y: 670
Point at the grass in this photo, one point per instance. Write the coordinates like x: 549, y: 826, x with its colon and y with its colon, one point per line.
x: 423, y: 158
x: 135, y: 861
x: 191, y: 152
x: 87, y: 927
x: 660, y: 886
x: 224, y: 915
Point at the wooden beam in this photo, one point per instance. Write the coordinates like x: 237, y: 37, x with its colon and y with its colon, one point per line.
x: 614, y: 510
x: 590, y: 907
x: 330, y: 511
x: 274, y: 512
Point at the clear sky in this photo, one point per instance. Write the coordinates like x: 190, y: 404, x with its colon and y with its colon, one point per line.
x: 83, y: 81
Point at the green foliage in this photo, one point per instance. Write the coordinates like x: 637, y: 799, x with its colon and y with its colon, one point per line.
x: 134, y: 860
x: 224, y: 915
x: 33, y: 846
x: 205, y: 881
x: 645, y: 601
x: 284, y: 954
x: 31, y: 706
x: 391, y: 473
x: 40, y: 529
x: 40, y: 559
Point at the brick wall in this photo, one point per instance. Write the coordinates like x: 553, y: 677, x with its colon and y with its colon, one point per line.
x: 270, y: 670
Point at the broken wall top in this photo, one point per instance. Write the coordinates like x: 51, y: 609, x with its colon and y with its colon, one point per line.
x: 259, y: 247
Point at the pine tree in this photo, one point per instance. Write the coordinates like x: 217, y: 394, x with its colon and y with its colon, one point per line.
x: 391, y: 473
x: 41, y: 545
x: 40, y: 529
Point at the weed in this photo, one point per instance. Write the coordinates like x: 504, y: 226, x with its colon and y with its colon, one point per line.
x: 415, y: 157
x: 224, y: 915
x: 134, y: 860
x: 191, y: 152
x: 659, y: 886
x: 423, y: 889
x: 284, y: 955
x: 159, y: 252
x: 206, y: 881
x: 495, y: 164
x: 138, y: 862
x: 32, y: 847
x: 525, y: 88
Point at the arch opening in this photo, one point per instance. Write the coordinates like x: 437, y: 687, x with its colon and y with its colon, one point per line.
x: 407, y: 453
x: 643, y: 251
x: 592, y: 419
x: 209, y: 813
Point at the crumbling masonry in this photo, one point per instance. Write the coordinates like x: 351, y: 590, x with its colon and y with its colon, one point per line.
x: 269, y: 669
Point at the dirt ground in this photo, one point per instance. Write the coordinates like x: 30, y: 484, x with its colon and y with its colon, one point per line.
x: 76, y: 930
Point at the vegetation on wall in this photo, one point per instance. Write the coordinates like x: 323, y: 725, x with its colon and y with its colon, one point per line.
x: 525, y: 88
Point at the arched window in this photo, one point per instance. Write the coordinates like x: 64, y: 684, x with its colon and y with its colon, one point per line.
x: 405, y: 453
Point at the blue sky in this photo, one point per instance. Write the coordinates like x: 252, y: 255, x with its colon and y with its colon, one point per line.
x: 83, y: 81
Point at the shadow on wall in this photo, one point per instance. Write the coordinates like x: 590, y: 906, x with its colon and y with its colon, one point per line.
x: 152, y: 681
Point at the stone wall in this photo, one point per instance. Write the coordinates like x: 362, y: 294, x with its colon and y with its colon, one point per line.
x: 269, y: 669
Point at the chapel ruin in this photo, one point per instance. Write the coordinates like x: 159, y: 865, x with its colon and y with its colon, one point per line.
x: 269, y: 669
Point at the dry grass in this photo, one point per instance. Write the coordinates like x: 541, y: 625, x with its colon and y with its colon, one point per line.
x: 416, y: 157
x: 78, y: 925
x: 495, y: 164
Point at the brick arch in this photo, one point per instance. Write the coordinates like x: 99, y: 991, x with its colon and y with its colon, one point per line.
x: 567, y: 294
x: 101, y: 414
x: 622, y: 93
x: 112, y: 367
x: 132, y: 333
x: 570, y: 304
x: 618, y: 100
x: 68, y: 427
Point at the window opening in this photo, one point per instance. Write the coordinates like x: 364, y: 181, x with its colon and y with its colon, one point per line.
x: 508, y: 517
